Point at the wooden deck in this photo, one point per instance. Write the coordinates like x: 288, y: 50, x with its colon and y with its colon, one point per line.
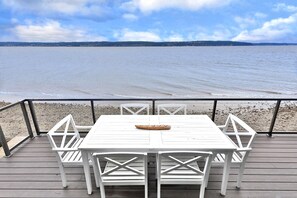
x: 271, y: 171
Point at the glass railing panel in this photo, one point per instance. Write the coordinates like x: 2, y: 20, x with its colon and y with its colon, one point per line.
x: 257, y: 114
x: 50, y: 113
x: 286, y: 120
x: 13, y: 125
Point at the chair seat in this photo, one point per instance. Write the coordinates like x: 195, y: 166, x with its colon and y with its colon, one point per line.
x: 73, y: 157
x: 118, y: 181
x: 181, y: 180
x: 220, y: 158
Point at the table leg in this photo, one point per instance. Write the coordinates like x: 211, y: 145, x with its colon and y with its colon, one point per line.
x: 85, y: 160
x: 227, y: 165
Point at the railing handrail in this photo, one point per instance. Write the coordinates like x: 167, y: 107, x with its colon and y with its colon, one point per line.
x: 162, y: 99
x: 10, y: 105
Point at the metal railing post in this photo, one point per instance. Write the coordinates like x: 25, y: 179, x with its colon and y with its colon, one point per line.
x: 153, y: 107
x: 214, y: 108
x: 4, y: 143
x: 27, y: 121
x: 274, y: 118
x: 93, y: 111
x: 34, y: 119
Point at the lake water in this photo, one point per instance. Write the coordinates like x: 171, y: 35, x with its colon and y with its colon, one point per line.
x: 96, y: 72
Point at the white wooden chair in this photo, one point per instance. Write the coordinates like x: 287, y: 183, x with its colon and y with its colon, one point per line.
x: 172, y: 109
x: 135, y: 108
x: 121, y: 169
x: 183, y: 167
x: 64, y: 138
x: 242, y: 136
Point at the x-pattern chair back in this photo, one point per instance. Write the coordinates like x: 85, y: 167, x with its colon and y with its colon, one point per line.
x: 69, y: 134
x: 188, y: 162
x: 182, y: 164
x: 120, y: 161
x: 235, y: 123
x: 134, y: 108
x: 121, y: 169
x: 172, y: 109
x: 183, y: 167
x: 122, y: 165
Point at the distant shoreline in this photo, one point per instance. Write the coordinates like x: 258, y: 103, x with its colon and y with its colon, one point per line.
x: 137, y: 44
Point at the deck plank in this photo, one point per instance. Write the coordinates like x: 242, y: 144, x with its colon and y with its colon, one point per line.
x: 271, y: 171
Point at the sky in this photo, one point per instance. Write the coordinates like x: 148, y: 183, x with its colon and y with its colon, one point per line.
x: 148, y: 20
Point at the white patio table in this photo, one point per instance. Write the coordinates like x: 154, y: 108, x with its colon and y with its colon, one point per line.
x: 117, y: 133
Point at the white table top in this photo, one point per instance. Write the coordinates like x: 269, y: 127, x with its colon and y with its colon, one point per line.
x: 117, y: 133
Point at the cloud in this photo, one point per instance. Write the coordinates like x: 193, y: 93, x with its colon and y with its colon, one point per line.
x: 250, y: 20
x: 66, y: 7
x: 147, y: 6
x: 273, y: 30
x: 219, y: 33
x: 215, y: 36
x: 174, y: 37
x: 130, y: 17
x: 245, y: 21
x: 129, y: 35
x: 260, y: 15
x: 285, y: 7
x: 51, y: 31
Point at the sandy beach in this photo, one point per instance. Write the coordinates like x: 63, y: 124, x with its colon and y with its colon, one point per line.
x: 257, y: 114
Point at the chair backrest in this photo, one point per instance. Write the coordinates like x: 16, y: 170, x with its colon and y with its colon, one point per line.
x: 172, y: 109
x: 64, y: 134
x: 184, y: 163
x: 244, y: 134
x: 134, y: 108
x: 120, y: 165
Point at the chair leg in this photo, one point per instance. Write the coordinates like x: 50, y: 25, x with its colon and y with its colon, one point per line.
x: 157, y: 164
x: 102, y: 190
x: 96, y: 180
x: 145, y: 191
x: 158, y: 189
x: 202, y: 190
x: 208, y: 170
x: 146, y: 177
x: 158, y: 167
x: 241, y: 169
x: 63, y: 174
x: 96, y: 176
